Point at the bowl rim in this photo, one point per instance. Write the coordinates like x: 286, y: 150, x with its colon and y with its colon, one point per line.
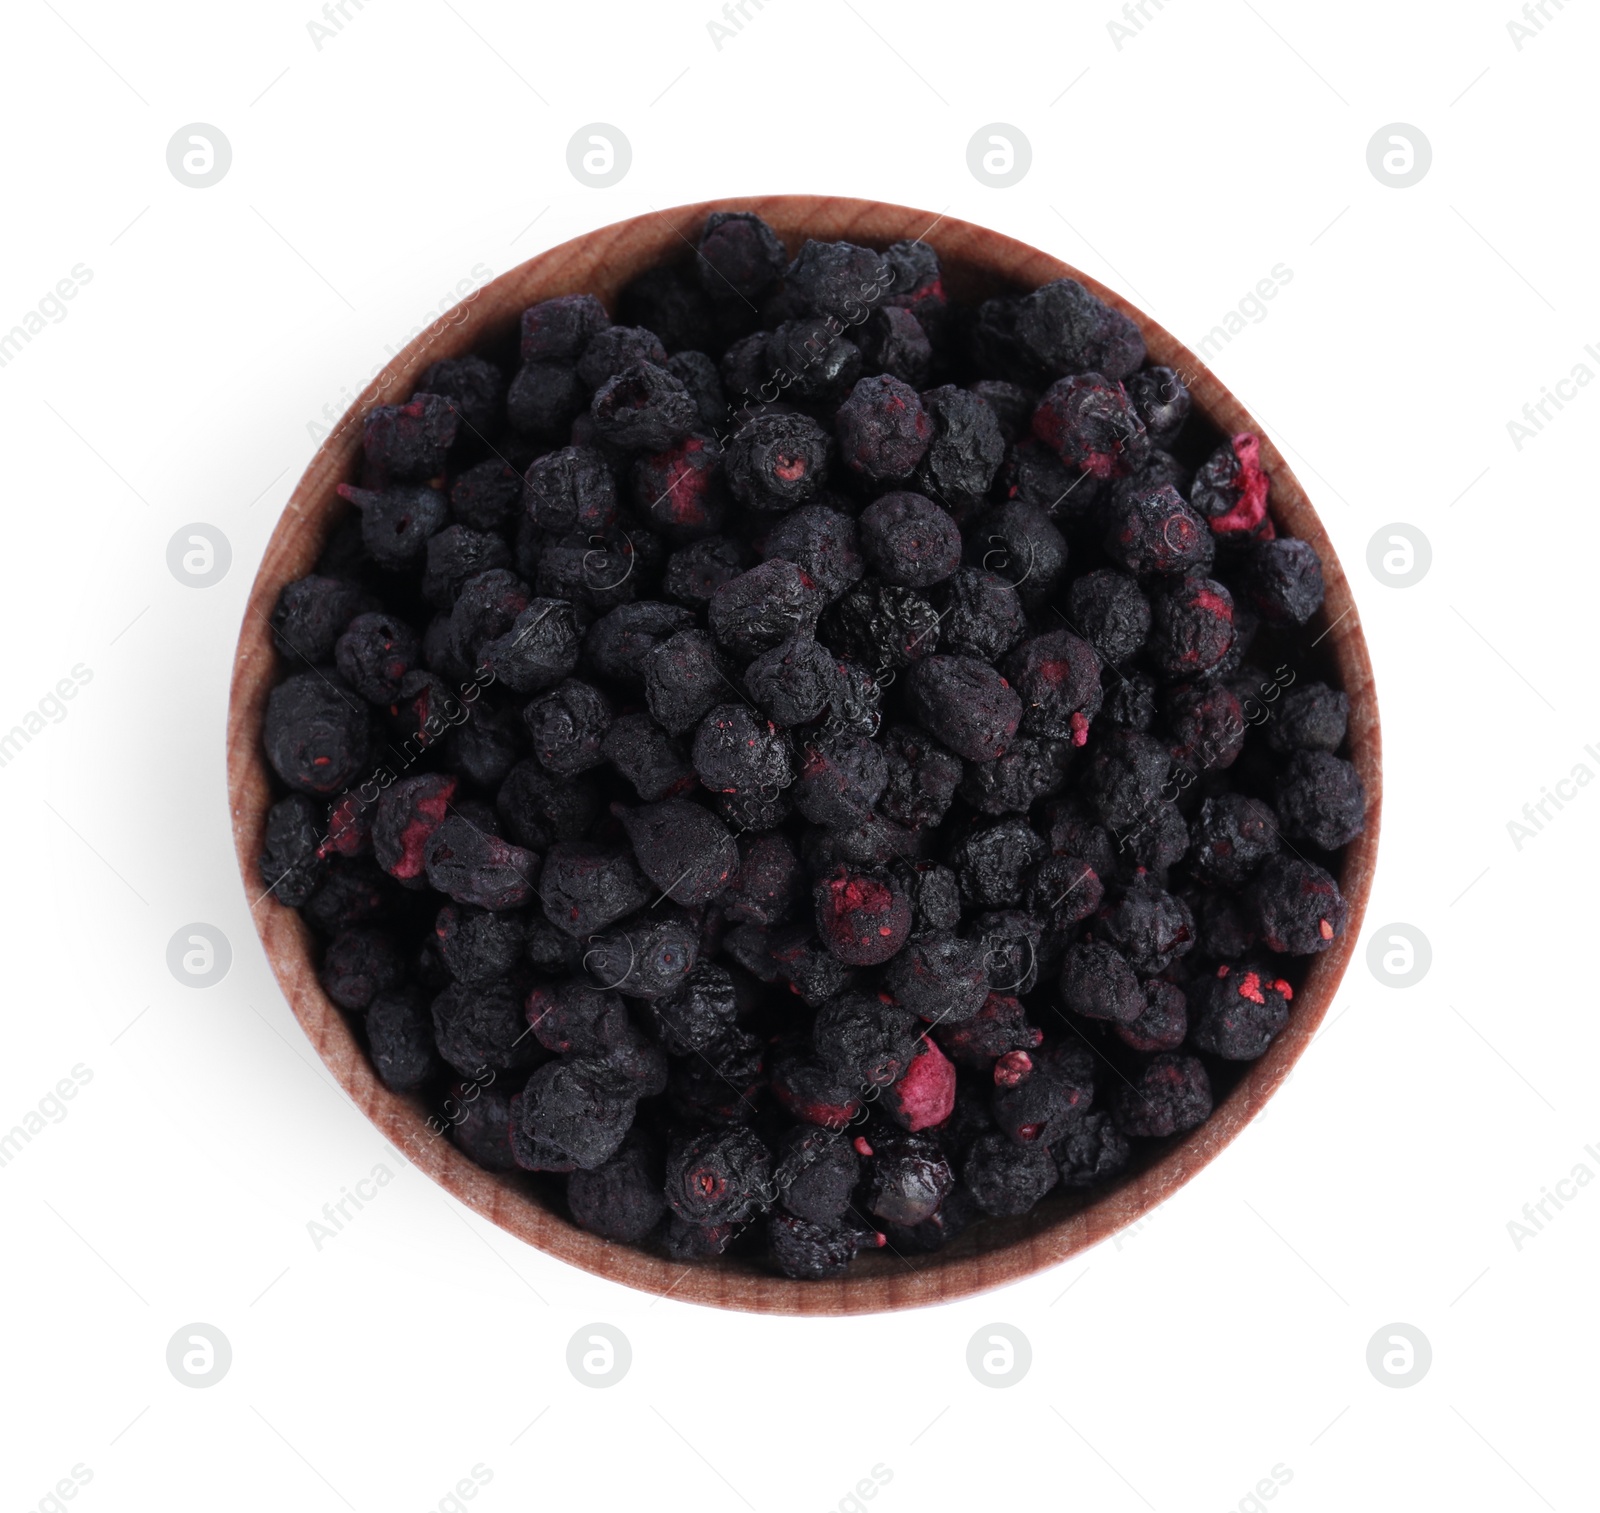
x: 603, y: 259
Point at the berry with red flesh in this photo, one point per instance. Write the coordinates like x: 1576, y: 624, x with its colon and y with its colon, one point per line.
x: 926, y: 1092
x: 719, y: 1177
x: 1089, y: 422
x: 1296, y: 906
x: 1231, y: 489
x: 882, y: 429
x: 863, y: 920
x: 1191, y: 627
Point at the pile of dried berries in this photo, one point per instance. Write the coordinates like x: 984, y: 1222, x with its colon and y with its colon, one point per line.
x: 806, y: 764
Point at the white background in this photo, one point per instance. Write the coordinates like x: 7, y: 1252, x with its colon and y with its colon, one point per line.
x: 425, y: 144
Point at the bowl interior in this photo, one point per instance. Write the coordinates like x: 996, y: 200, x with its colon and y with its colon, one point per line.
x: 977, y: 263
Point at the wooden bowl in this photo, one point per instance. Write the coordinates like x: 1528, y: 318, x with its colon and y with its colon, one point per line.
x: 977, y: 263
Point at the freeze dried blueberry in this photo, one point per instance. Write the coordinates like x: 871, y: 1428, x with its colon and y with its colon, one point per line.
x: 1040, y: 1106
x: 893, y: 342
x: 1320, y: 798
x: 815, y: 1174
x: 609, y: 352
x: 538, y: 810
x: 1107, y: 609
x: 292, y: 865
x: 482, y: 1026
x: 1152, y: 530
x: 1156, y: 841
x: 812, y: 1092
x: 1062, y: 891
x: 822, y: 544
x: 408, y: 813
x: 1310, y: 718
x: 1191, y: 627
x: 680, y: 491
x: 561, y: 328
x: 310, y: 616
x: 881, y: 625
x: 1282, y: 581
x: 719, y: 1177
x: 866, y: 1039
x: 410, y: 440
x: 651, y: 760
x: 1233, y: 836
x: 992, y: 859
x: 1015, y: 947
x: 1032, y: 768
x: 752, y: 613
x: 316, y: 732
x: 1224, y: 926
x: 1033, y: 475
x: 569, y: 1117
x: 480, y: 1125
x: 1001, y: 1025
x: 1057, y: 678
x: 453, y: 556
x: 966, y: 704
x: 839, y: 278
x: 1242, y: 1008
x: 1173, y: 1094
x: 575, y: 1018
x: 621, y: 1198
x: 683, y: 849
x: 811, y: 1252
x: 473, y: 867
x: 1065, y: 329
x: 840, y: 779
x: 400, y: 1038
x: 586, y: 886
x: 474, y: 388
x: 478, y: 946
x: 1296, y: 906
x: 351, y: 894
x: 882, y: 429
x: 1124, y: 776
x: 769, y: 880
x: 740, y: 757
x: 907, y: 1176
x: 1098, y: 983
x: 1165, y: 1022
x: 810, y: 356
x: 545, y: 398
x: 862, y: 920
x: 358, y: 965
x: 397, y: 522
x: 909, y: 540
x: 643, y: 408
x: 567, y: 726
x: 1018, y: 542
x: 694, y: 572
x: 682, y: 680
x: 1231, y: 488
x: 935, y: 898
x: 740, y: 256
x: 983, y: 617
x: 925, y: 1093
x: 1091, y: 425
x: 616, y: 645
x: 794, y: 682
x: 1091, y: 1151
x: 965, y: 451
x: 570, y: 490
x: 1130, y: 702
x: 698, y: 374
x: 485, y: 496
x: 940, y: 978
x: 539, y: 649
x: 1013, y: 405
x: 1149, y: 927
x: 487, y: 606
x: 700, y: 1010
x: 1006, y: 1179
x: 648, y: 958
x: 776, y: 461
x: 1162, y: 400
x: 1207, y: 725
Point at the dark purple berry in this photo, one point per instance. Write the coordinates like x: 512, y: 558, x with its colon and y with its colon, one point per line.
x: 1320, y: 798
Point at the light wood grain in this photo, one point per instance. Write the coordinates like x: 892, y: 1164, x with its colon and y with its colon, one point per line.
x: 977, y: 262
